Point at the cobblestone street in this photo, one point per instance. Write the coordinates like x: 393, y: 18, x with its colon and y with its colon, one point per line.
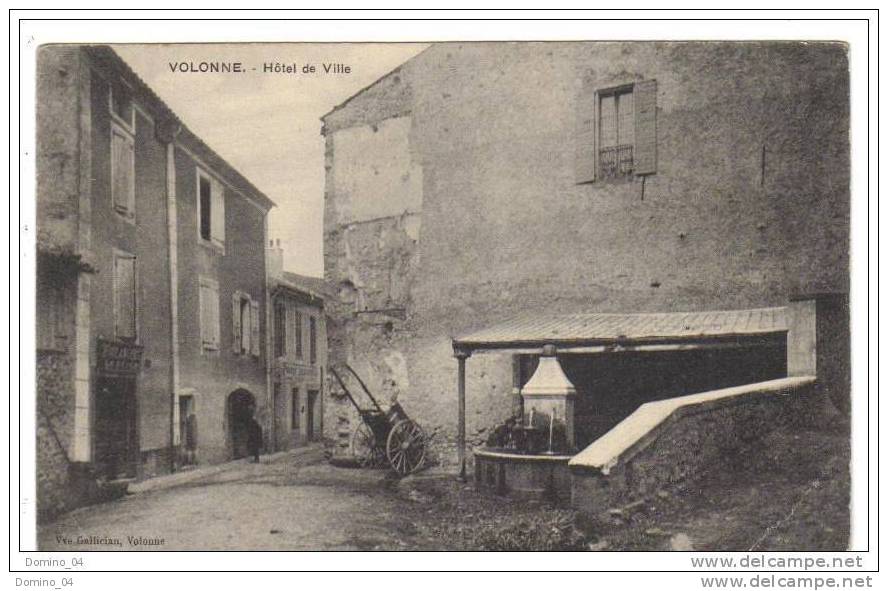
x: 292, y: 501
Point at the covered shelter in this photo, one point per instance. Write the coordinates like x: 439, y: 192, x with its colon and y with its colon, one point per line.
x: 624, y: 360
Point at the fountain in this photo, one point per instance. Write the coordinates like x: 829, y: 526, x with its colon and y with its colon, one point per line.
x: 528, y: 457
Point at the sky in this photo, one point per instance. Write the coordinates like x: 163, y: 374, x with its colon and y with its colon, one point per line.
x: 267, y: 125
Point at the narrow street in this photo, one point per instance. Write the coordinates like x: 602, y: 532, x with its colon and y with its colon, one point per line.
x: 297, y: 501
x: 292, y: 501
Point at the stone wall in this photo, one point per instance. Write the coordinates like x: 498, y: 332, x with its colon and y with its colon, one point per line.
x: 58, y: 148
x: 748, y: 205
x: 55, y: 428
x: 669, y: 442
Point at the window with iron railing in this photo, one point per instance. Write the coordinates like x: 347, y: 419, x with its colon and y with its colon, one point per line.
x: 616, y: 134
x: 615, y: 161
x: 616, y: 116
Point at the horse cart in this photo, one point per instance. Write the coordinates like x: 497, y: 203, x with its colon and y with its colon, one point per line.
x: 384, y: 436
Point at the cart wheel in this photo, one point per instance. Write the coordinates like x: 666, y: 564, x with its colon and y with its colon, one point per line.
x: 364, y: 447
x: 405, y: 447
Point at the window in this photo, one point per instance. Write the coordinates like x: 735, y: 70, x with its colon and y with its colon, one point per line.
x: 617, y: 131
x: 211, y: 209
x: 209, y: 314
x: 120, y: 103
x: 245, y: 329
x: 124, y: 296
x: 297, y: 333
x: 280, y: 330
x: 123, y: 172
x: 294, y: 409
x: 312, y: 341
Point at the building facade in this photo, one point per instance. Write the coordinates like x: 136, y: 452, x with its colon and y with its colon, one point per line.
x: 298, y: 354
x: 151, y: 284
x: 483, y: 181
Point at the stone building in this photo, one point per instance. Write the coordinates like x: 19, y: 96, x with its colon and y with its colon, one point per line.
x: 151, y: 287
x: 483, y: 182
x: 298, y: 354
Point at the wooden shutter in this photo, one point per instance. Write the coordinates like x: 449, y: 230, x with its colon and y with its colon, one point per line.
x: 214, y: 315
x: 122, y: 164
x: 254, y: 328
x: 202, y: 305
x: 217, y: 211
x: 312, y: 340
x: 297, y: 332
x: 236, y: 323
x: 209, y: 314
x: 586, y: 160
x: 125, y: 296
x: 645, y: 155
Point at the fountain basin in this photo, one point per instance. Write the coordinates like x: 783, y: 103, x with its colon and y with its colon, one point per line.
x: 527, y: 476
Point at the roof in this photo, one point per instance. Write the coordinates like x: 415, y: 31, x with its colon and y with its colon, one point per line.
x: 312, y: 286
x: 106, y: 56
x: 590, y: 329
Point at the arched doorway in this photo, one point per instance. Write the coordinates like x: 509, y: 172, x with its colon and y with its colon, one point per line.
x: 241, y: 406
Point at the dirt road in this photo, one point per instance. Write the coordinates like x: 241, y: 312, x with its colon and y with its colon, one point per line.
x: 290, y: 502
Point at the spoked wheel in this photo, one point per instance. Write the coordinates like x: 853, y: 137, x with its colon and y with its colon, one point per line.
x: 364, y: 447
x: 406, y: 447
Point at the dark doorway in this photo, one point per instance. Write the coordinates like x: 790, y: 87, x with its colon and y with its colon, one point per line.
x: 116, y: 442
x: 310, y: 415
x: 295, y: 413
x: 281, y: 426
x: 241, y: 406
x: 187, y: 430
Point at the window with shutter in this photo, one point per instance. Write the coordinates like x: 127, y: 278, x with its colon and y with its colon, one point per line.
x: 254, y: 326
x: 125, y: 296
x: 123, y: 162
x: 211, y: 209
x: 616, y: 131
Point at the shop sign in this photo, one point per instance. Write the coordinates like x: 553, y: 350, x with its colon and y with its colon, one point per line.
x: 116, y: 358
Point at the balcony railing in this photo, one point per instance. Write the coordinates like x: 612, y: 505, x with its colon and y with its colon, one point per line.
x: 615, y: 161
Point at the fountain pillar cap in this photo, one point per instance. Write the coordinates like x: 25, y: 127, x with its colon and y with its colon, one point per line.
x: 549, y: 379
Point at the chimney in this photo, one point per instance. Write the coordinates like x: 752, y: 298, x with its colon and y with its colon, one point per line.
x: 274, y: 259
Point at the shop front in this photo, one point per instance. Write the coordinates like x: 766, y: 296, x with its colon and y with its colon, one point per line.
x: 116, y: 440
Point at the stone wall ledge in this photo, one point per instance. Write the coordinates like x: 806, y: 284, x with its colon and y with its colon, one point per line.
x: 640, y: 429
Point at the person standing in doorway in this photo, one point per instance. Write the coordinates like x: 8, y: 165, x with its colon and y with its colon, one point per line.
x: 191, y: 439
x: 254, y: 439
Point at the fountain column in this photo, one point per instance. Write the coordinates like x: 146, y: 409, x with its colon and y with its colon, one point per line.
x: 550, y: 393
